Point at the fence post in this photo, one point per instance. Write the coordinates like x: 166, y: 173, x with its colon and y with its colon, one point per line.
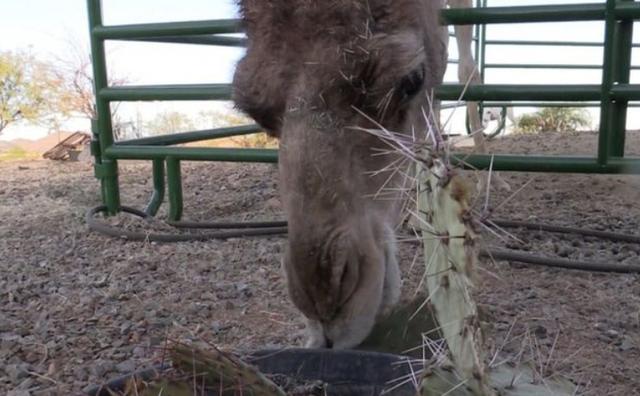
x: 174, y: 181
x: 616, y: 70
x: 158, y: 188
x: 106, y: 168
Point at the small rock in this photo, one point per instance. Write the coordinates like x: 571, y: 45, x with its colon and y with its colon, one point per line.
x: 125, y: 327
x: 102, y: 367
x: 126, y: 367
x: 218, y: 327
x: 16, y: 372
x: 139, y: 351
x: 626, y: 345
x: 612, y: 333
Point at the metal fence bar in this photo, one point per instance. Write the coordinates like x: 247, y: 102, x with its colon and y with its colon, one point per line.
x: 623, y: 39
x: 625, y: 91
x: 524, y: 14
x: 607, y: 109
x: 158, y: 188
x: 556, y: 164
x: 192, y: 153
x: 547, y: 66
x: 216, y: 40
x: 195, y: 136
x: 169, y: 29
x: 550, y: 43
x: 545, y: 43
x: 540, y: 66
x: 628, y: 10
x: 542, y: 13
x: 519, y: 92
x: 133, y: 93
x: 547, y: 104
x: 174, y: 182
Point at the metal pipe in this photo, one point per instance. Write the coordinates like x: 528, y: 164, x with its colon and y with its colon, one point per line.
x: 608, y: 80
x: 193, y: 153
x: 628, y: 10
x: 521, y: 163
x: 623, y: 38
x: 524, y: 14
x: 555, y: 164
x: 223, y: 41
x: 106, y: 169
x: 168, y: 29
x: 541, y: 66
x: 518, y: 92
x: 550, y: 43
x: 158, y: 188
x: 625, y: 91
x: 195, y: 136
x: 545, y: 43
x: 538, y: 104
x: 174, y: 181
x: 133, y: 93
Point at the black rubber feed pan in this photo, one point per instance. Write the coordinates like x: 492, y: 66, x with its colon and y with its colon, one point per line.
x: 346, y: 373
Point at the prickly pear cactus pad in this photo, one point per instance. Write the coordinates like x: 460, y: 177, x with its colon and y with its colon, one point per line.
x: 450, y: 255
x: 450, y: 249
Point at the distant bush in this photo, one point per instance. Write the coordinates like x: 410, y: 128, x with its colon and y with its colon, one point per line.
x: 257, y: 140
x: 17, y: 154
x: 553, y: 119
x: 221, y: 119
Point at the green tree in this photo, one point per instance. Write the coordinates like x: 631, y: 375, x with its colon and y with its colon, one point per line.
x: 28, y: 89
x: 558, y: 119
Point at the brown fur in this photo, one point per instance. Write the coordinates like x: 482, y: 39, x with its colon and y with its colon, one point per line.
x: 311, y: 71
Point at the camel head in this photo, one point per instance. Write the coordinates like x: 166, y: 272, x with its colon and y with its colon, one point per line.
x: 317, y: 74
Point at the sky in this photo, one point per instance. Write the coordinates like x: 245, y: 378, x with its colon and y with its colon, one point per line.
x: 47, y: 26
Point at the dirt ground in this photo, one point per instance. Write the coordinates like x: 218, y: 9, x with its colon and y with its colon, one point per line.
x: 78, y: 308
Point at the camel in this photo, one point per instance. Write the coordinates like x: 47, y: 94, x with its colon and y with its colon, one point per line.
x: 318, y: 75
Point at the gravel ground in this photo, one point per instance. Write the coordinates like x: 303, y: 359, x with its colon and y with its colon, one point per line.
x: 79, y: 308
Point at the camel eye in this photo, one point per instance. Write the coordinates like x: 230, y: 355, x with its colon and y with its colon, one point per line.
x: 411, y: 84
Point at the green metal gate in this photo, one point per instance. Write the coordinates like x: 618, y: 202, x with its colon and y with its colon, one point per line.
x: 613, y: 95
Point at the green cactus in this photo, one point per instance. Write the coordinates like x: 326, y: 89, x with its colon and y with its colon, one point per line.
x: 450, y: 246
x: 450, y: 255
x: 223, y: 369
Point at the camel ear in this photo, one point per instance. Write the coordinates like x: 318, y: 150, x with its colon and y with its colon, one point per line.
x: 258, y: 93
x: 263, y: 75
